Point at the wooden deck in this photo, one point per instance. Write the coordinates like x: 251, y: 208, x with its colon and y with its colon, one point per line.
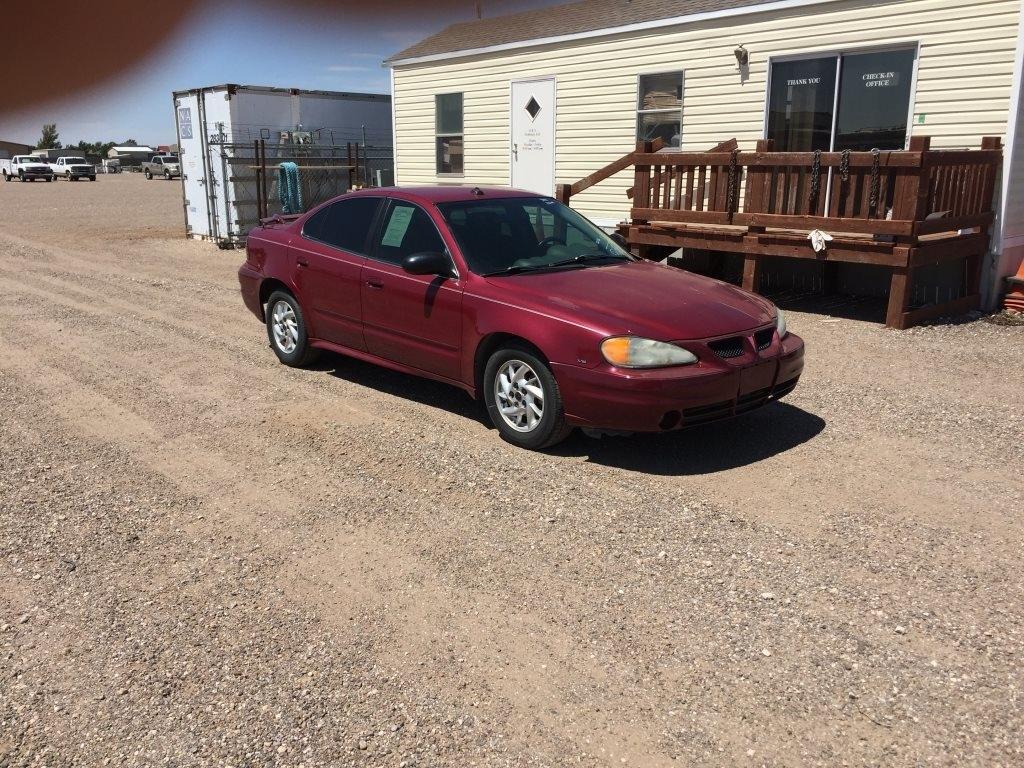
x: 898, y: 209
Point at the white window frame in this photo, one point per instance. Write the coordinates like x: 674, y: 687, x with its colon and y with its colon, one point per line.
x: 838, y: 53
x: 639, y: 111
x: 444, y: 135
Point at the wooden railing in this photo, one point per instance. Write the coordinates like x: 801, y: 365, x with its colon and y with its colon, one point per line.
x: 900, y: 193
x: 881, y: 207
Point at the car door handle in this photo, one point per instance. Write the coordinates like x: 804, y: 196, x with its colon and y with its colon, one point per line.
x: 302, y: 262
x: 375, y: 284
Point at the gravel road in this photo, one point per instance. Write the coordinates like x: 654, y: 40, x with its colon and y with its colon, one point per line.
x: 209, y: 559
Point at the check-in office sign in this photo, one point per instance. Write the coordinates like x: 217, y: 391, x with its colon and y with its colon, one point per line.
x: 880, y: 79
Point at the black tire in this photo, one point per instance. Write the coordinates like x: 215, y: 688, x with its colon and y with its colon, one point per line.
x: 50, y: 178
x: 92, y: 178
x: 7, y: 176
x: 167, y: 176
x: 552, y: 427
x: 303, y: 354
x: 149, y: 176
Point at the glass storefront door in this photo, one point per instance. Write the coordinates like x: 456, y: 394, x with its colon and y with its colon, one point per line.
x: 805, y: 111
x: 874, y: 99
x: 800, y: 104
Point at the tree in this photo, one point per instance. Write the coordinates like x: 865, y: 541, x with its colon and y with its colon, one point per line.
x: 50, y: 139
x: 129, y: 143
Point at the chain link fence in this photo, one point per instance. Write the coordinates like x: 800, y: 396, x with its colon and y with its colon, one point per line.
x: 250, y: 173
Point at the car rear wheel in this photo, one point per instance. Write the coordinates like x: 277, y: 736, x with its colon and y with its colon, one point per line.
x: 286, y: 328
x: 523, y: 399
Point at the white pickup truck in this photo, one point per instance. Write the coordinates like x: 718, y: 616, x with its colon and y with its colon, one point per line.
x: 73, y: 169
x: 167, y: 166
x: 25, y: 168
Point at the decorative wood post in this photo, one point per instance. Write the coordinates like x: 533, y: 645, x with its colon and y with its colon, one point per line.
x: 642, y: 181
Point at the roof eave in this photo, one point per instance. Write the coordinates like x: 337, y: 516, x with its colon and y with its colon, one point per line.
x: 774, y: 5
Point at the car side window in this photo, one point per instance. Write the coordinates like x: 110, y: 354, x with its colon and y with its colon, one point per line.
x: 344, y: 224
x: 406, y: 229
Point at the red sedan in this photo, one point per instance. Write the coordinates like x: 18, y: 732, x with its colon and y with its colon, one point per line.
x: 519, y: 300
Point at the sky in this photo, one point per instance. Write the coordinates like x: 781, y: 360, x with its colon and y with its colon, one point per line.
x: 252, y: 44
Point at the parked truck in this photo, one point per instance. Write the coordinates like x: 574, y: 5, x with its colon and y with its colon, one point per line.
x: 166, y: 166
x: 25, y: 168
x: 73, y: 168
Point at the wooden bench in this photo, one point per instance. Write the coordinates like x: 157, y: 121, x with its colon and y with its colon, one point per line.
x: 897, y: 209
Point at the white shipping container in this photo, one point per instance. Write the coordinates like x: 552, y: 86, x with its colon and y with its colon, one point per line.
x: 218, y: 125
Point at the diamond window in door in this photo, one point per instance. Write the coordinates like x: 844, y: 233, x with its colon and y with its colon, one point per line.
x: 533, y: 108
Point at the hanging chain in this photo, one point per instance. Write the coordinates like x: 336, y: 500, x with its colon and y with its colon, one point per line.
x: 812, y: 197
x: 731, y: 197
x: 844, y: 165
x: 873, y: 201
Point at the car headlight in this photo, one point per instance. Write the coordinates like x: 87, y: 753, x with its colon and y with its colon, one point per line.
x: 780, y: 323
x: 635, y: 352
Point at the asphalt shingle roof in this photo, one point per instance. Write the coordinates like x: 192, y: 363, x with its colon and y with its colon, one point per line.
x: 571, y: 18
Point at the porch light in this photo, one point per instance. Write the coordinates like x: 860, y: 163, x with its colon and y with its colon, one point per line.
x: 742, y: 57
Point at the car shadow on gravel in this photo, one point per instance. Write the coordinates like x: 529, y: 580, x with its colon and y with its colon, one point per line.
x: 710, y: 448
x: 409, y: 387
x: 774, y: 429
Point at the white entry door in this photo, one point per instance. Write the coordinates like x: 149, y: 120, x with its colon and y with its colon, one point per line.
x: 533, y: 135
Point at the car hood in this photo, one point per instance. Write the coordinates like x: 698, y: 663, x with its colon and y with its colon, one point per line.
x: 640, y: 298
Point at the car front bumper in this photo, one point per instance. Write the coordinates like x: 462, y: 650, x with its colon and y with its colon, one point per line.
x: 663, y: 399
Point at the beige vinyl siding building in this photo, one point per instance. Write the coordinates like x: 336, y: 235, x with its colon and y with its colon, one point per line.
x: 962, y: 83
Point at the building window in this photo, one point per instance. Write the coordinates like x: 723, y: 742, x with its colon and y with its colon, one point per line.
x: 448, y: 129
x: 659, y: 110
x: 857, y: 101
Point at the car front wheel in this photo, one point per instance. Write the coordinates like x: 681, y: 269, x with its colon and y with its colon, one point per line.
x: 523, y: 399
x: 286, y: 328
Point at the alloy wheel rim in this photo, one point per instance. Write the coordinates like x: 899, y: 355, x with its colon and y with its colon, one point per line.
x: 519, y: 396
x: 285, y: 327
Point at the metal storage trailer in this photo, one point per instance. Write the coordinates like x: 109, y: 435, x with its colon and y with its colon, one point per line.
x: 219, y: 125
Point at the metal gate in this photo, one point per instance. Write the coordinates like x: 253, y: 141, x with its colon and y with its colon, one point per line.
x: 249, y: 171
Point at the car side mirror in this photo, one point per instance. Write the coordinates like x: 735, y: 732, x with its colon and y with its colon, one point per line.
x: 619, y: 240
x: 428, y: 263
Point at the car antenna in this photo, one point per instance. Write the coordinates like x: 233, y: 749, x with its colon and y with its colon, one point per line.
x: 477, y: 191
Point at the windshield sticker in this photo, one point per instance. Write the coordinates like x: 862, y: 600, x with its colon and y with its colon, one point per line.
x: 398, y: 225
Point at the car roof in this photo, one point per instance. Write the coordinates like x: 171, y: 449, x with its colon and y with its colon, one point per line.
x: 447, y: 193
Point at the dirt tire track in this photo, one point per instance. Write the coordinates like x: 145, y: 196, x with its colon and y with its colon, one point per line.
x: 347, y: 566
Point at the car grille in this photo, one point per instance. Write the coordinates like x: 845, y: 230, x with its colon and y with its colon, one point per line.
x: 726, y: 348
x: 704, y: 414
x: 763, y: 339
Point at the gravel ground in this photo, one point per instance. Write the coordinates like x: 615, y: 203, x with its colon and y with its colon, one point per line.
x: 209, y: 559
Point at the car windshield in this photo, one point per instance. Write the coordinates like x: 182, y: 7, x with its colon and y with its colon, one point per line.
x: 527, y: 234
